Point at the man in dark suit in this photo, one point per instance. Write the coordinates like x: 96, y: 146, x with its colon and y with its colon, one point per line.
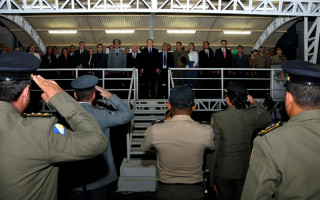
x: 149, y: 63
x: 81, y: 57
x: 206, y: 60
x: 165, y: 61
x: 134, y: 58
x: 99, y: 60
x: 240, y: 60
x: 133, y: 61
x: 223, y: 58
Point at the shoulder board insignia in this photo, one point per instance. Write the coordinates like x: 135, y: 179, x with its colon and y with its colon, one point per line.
x: 270, y: 128
x: 99, y: 107
x: 211, y: 121
x: 158, y: 121
x: 204, y: 122
x: 37, y: 114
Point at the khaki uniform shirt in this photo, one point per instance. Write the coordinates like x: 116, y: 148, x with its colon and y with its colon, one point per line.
x: 31, y: 146
x: 277, y: 59
x: 261, y: 61
x: 285, y: 162
x: 180, y: 144
x: 234, y: 129
x: 177, y: 55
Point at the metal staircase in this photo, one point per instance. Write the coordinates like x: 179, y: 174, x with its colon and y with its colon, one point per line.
x: 145, y: 111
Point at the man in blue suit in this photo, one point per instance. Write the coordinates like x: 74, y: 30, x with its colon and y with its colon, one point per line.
x: 93, y: 176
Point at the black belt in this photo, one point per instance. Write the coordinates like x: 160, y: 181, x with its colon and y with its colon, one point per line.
x: 162, y: 183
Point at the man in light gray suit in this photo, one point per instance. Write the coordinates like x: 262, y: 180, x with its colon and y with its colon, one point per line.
x: 117, y: 59
x: 91, y: 177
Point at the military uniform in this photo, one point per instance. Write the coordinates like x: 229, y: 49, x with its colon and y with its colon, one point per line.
x: 234, y: 129
x: 32, y: 146
x: 180, y: 144
x: 90, y: 177
x: 278, y: 59
x: 285, y: 160
x: 177, y: 55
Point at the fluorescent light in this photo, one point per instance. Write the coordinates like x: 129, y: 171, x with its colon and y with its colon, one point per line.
x: 181, y: 31
x: 237, y: 32
x: 62, y: 31
x: 119, y: 31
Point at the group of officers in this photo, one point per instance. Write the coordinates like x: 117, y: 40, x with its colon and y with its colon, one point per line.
x: 283, y: 164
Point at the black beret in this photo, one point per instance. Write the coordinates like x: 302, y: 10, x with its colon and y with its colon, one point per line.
x: 84, y: 82
x: 181, y: 96
x: 302, y: 72
x: 237, y: 88
x: 17, y: 65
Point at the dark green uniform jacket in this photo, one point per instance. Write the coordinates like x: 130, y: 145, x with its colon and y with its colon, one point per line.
x: 31, y: 146
x: 285, y: 162
x: 234, y: 129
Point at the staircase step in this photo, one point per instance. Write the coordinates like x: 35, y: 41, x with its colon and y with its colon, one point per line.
x: 138, y: 132
x: 141, y: 125
x: 136, y: 141
x: 147, y: 118
x: 148, y: 112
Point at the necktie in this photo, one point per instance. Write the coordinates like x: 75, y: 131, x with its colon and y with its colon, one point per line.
x: 81, y: 51
x: 164, y: 60
x: 117, y: 52
x: 207, y: 53
x: 134, y: 55
x: 150, y: 50
x: 224, y: 53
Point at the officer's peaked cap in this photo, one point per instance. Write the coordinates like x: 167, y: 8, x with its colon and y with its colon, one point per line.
x: 237, y: 88
x: 84, y: 82
x: 16, y: 66
x: 302, y: 72
x: 181, y: 96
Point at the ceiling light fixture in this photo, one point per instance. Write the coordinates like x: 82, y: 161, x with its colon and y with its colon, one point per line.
x: 237, y: 32
x: 181, y: 31
x: 62, y: 31
x: 119, y: 31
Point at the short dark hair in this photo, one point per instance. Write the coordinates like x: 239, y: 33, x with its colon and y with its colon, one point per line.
x: 224, y: 41
x: 206, y: 42
x: 179, y: 43
x: 81, y: 42
x: 150, y: 40
x: 240, y: 46
x: 85, y: 95
x: 99, y: 45
x: 10, y: 91
x: 306, y: 97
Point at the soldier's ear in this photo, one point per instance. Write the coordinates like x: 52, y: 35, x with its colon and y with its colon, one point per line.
x: 75, y: 95
x: 194, y: 107
x: 169, y: 106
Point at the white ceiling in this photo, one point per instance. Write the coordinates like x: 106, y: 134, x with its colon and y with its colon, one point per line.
x: 91, y: 29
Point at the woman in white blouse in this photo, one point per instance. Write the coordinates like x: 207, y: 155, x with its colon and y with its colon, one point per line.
x: 193, y: 63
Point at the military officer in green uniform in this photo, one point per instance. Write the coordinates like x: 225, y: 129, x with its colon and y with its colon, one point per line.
x: 234, y: 129
x: 31, y: 147
x: 279, y: 58
x: 285, y: 160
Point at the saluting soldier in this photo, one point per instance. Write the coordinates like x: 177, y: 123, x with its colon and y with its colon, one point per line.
x: 180, y: 144
x: 285, y: 160
x: 31, y: 146
x: 234, y: 129
x: 90, y: 178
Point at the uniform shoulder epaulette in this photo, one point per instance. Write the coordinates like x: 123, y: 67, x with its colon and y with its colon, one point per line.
x: 158, y: 121
x: 37, y: 115
x: 270, y: 128
x: 99, y: 107
x: 205, y: 122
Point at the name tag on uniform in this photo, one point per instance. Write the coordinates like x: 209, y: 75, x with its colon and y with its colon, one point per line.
x: 59, y: 129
